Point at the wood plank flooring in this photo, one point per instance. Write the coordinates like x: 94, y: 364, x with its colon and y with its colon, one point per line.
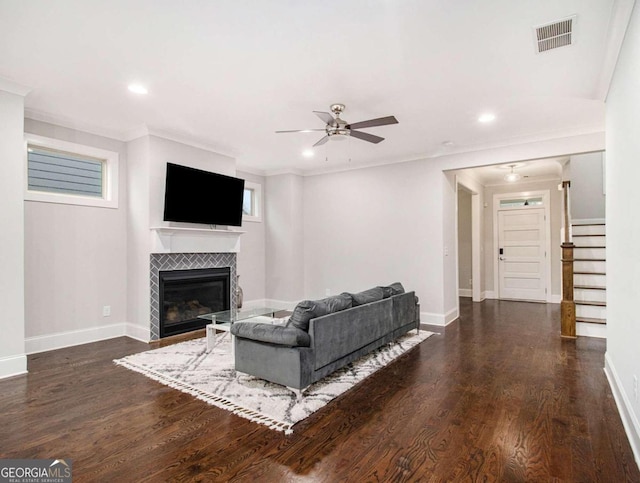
x: 498, y: 396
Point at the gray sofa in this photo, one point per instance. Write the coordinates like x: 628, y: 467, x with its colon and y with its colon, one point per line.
x: 325, y: 335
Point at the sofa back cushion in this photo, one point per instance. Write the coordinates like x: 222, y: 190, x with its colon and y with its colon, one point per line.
x: 338, y: 335
x: 396, y: 288
x: 367, y: 296
x: 310, y: 309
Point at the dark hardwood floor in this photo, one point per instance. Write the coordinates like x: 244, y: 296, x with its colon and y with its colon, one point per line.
x: 498, y: 396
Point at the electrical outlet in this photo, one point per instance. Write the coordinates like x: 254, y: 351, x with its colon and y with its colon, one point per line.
x: 635, y: 387
x: 446, y: 251
x: 106, y: 311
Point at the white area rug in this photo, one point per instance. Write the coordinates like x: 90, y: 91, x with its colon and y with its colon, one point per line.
x: 210, y: 376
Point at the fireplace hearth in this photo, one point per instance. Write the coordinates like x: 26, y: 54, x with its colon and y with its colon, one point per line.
x: 186, y: 294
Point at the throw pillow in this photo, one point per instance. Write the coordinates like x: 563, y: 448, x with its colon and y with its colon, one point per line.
x: 367, y: 296
x: 310, y: 309
x: 386, y: 292
x: 397, y: 288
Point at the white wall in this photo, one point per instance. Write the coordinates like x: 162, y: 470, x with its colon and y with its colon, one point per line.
x: 12, y: 349
x: 587, y: 187
x: 490, y: 251
x: 464, y: 241
x: 75, y: 259
x: 285, y: 271
x: 252, y: 256
x: 376, y: 226
x: 623, y: 231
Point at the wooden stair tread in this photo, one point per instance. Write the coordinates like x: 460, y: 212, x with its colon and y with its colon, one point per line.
x: 593, y: 234
x: 589, y: 224
x: 589, y: 273
x: 576, y: 247
x: 589, y: 259
x: 591, y: 320
x: 590, y: 302
x: 590, y: 287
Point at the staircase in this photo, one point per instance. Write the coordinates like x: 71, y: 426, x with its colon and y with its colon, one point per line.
x: 589, y: 278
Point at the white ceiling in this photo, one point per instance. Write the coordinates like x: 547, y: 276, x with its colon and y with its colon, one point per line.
x: 228, y: 73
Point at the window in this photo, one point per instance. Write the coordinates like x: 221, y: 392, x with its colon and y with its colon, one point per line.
x: 513, y: 203
x: 69, y: 173
x: 252, y: 201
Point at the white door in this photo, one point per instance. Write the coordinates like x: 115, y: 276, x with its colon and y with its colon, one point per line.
x: 522, y: 256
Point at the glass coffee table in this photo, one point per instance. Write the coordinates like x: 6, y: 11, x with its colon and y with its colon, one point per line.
x: 222, y: 321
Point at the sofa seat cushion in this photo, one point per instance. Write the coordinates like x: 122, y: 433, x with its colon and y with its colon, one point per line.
x: 367, y: 296
x: 310, y: 309
x: 274, y: 334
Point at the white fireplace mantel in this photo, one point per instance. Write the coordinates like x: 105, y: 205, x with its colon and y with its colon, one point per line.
x: 170, y: 239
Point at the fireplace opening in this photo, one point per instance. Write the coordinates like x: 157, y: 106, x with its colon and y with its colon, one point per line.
x: 186, y: 294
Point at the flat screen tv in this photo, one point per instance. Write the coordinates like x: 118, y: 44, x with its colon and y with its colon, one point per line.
x: 196, y: 196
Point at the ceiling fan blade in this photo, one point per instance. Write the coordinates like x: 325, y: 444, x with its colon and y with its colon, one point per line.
x: 301, y: 130
x: 381, y: 121
x: 325, y: 116
x: 322, y: 141
x: 365, y: 136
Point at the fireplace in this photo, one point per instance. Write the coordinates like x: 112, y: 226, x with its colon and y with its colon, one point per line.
x: 186, y: 294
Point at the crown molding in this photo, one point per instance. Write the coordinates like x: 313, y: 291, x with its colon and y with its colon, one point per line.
x: 14, y: 87
x: 70, y: 123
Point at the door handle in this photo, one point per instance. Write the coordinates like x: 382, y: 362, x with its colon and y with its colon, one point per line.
x: 502, y: 258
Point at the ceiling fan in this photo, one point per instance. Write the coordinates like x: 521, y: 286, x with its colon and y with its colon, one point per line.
x: 338, y: 129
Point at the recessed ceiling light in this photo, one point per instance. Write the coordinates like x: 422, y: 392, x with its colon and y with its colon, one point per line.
x: 487, y: 117
x: 138, y: 89
x: 307, y: 153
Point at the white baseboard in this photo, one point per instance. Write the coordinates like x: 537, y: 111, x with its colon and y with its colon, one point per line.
x: 442, y: 320
x: 465, y: 292
x: 585, y: 329
x: 489, y: 294
x: 13, y: 366
x: 283, y: 304
x: 137, y: 332
x: 70, y: 338
x: 555, y: 299
x: 625, y: 408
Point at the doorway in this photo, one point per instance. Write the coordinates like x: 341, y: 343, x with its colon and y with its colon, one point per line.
x: 522, y: 237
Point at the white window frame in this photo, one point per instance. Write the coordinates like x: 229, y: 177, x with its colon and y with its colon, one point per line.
x: 257, y: 202
x: 110, y: 179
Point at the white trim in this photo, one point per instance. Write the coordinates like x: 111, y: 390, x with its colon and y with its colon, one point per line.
x: 489, y: 294
x: 586, y: 329
x: 11, y: 87
x: 137, y: 332
x: 111, y: 158
x: 546, y: 200
x: 442, y: 320
x: 465, y: 292
x: 71, y: 338
x: 555, y: 299
x: 625, y: 408
x: 13, y: 366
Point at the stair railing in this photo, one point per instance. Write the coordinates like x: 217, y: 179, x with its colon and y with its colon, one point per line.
x: 567, y: 305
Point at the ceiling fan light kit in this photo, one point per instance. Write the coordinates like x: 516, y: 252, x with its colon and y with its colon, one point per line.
x: 337, y: 129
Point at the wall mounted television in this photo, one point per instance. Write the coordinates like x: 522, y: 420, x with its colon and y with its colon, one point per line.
x: 196, y: 196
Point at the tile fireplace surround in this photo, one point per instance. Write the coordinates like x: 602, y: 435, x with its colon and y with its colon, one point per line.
x: 185, y: 261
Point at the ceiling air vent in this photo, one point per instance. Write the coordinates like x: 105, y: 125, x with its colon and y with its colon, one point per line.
x: 556, y: 34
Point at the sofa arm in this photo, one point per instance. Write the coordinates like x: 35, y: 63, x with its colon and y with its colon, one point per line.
x: 273, y: 334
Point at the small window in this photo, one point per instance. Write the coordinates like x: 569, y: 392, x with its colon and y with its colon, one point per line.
x: 59, y: 172
x: 63, y: 172
x: 252, y: 202
x: 514, y: 203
